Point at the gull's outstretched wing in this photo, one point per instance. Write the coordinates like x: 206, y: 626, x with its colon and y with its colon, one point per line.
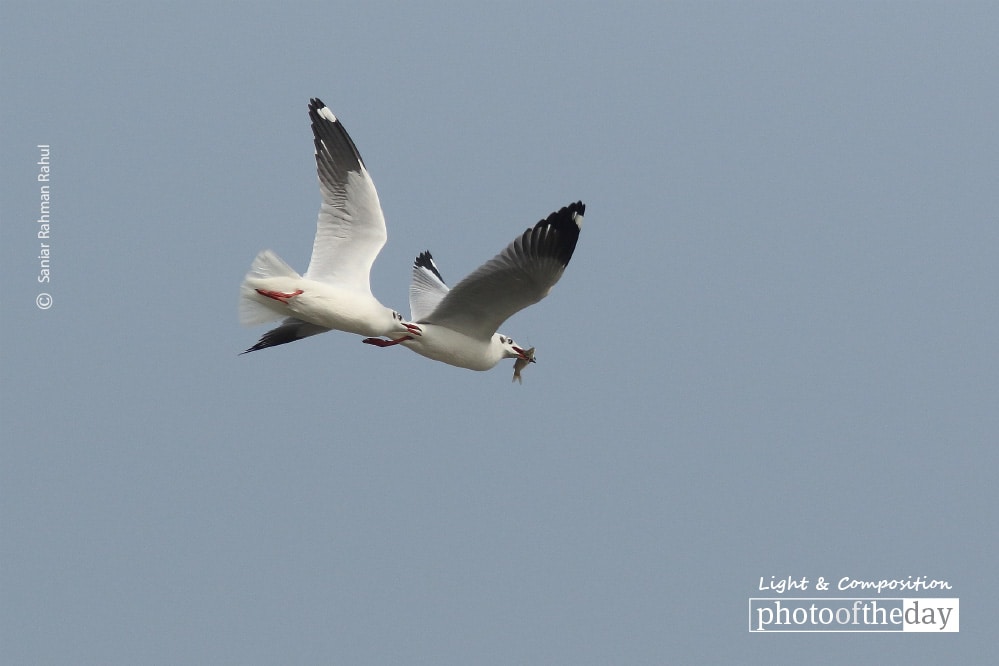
x: 350, y: 231
x: 517, y: 277
x: 427, y: 288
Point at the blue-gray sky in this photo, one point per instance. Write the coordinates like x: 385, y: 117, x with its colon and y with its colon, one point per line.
x: 774, y: 351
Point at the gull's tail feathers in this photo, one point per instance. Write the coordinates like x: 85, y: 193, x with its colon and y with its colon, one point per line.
x: 266, y: 265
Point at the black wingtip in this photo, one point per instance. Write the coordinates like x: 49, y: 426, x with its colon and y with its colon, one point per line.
x: 271, y: 339
x: 426, y: 261
x: 557, y: 235
x: 330, y: 137
x: 289, y: 331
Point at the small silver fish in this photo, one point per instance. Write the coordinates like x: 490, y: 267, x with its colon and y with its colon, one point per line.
x: 521, y: 363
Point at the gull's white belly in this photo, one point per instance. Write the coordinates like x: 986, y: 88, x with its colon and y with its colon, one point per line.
x: 326, y: 305
x: 448, y: 346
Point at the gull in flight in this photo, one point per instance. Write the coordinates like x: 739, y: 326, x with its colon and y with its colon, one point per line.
x: 459, y: 325
x: 335, y: 292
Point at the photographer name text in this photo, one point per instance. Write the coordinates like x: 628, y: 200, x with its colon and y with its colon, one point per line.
x: 44, y: 227
x: 44, y: 300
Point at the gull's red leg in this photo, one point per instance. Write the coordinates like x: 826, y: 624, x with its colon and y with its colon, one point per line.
x: 378, y: 342
x: 279, y: 295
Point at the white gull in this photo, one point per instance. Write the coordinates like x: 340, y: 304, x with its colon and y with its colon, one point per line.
x: 459, y: 325
x: 335, y: 292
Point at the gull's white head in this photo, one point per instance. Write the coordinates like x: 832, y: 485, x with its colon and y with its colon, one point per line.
x: 404, y: 327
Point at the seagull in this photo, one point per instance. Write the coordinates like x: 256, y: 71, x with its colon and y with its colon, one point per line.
x: 335, y: 292
x: 459, y: 325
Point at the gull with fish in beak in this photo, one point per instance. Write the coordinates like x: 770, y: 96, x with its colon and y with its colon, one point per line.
x: 459, y: 326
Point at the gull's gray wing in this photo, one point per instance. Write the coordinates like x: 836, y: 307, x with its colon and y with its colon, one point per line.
x: 517, y: 277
